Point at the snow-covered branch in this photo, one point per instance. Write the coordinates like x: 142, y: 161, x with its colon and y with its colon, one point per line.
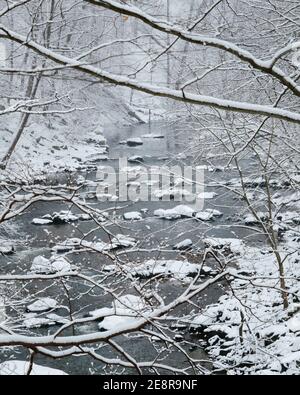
x: 155, y: 90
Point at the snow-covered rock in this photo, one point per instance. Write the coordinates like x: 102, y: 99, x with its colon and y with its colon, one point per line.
x: 84, y: 217
x: 6, y: 248
x: 153, y: 136
x: 208, y: 215
x: 133, y: 142
x: 204, y: 216
x: 214, y: 212
x: 42, y: 265
x: 207, y: 195
x: 124, y: 310
x: 250, y: 219
x: 135, y: 159
x: 41, y: 221
x: 180, y: 211
x: 42, y: 305
x: 37, y: 322
x: 117, y: 320
x: 33, y: 320
x: 64, y: 217
x: 132, y: 216
x: 236, y: 246
x: 67, y: 245
x: 106, y: 197
x: 177, y: 269
x: 123, y: 241
x: 183, y: 245
x: 20, y: 368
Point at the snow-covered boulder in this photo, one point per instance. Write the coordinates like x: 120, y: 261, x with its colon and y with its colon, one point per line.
x: 84, y: 217
x: 153, y: 136
x: 41, y: 221
x: 37, y: 322
x: 20, y: 368
x: 132, y: 216
x: 124, y: 310
x: 123, y: 241
x: 250, y: 219
x: 67, y: 245
x: 42, y: 305
x: 6, y: 248
x: 64, y: 217
x: 207, y: 195
x: 204, y: 216
x: 183, y: 245
x: 42, y: 265
x: 60, y: 265
x: 135, y: 159
x: 174, y: 268
x: 236, y: 246
x: 214, y: 212
x: 208, y: 215
x: 106, y: 197
x: 33, y: 320
x: 133, y: 142
x: 116, y: 321
x: 180, y: 211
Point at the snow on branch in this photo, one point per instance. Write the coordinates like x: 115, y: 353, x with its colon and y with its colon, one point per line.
x: 76, y: 340
x: 156, y: 90
x: 267, y: 66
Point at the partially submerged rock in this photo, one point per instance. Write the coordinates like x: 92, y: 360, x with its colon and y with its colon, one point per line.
x: 6, y: 248
x: 133, y: 142
x: 132, y: 216
x: 42, y: 305
x: 169, y: 268
x: 42, y: 265
x: 183, y: 245
x: 123, y: 241
x: 180, y: 211
x: 153, y: 136
x: 135, y: 159
x: 208, y: 215
x: 41, y: 221
x: 125, y: 310
x: 63, y: 217
x: 235, y: 246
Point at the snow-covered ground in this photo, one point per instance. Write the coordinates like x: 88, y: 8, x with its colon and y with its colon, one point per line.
x: 68, y: 141
x: 248, y: 331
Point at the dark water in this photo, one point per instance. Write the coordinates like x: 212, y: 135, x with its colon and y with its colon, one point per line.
x: 154, y: 234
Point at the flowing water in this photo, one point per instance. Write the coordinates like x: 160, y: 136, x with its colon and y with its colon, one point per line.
x: 154, y: 234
